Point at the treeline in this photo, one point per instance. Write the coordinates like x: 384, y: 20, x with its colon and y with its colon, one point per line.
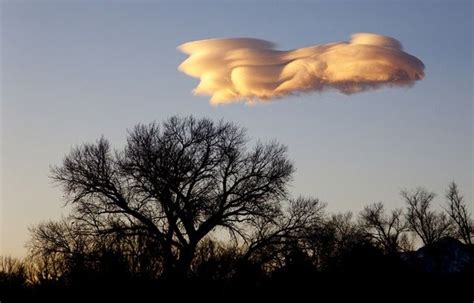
x: 194, y: 204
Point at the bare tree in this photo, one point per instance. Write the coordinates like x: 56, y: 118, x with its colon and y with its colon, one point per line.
x: 389, y: 232
x: 52, y: 237
x: 13, y: 275
x: 429, y: 225
x: 459, y: 214
x: 68, y: 248
x: 176, y: 182
x: 216, y: 260
x: 346, y: 230
x: 10, y: 265
x: 336, y: 236
x: 268, y: 238
x: 56, y: 248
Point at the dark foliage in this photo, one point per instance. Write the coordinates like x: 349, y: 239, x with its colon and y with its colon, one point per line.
x: 189, y: 210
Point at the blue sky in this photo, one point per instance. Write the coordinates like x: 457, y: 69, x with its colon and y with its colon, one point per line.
x: 74, y: 71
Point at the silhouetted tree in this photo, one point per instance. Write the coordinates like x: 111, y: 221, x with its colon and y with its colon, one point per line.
x: 347, y: 235
x: 331, y: 237
x: 216, y: 261
x: 13, y: 272
x: 272, y: 236
x: 176, y: 182
x: 297, y: 266
x: 322, y: 244
x: 68, y: 252
x: 13, y: 279
x: 388, y: 232
x: 429, y: 225
x: 54, y: 248
x: 459, y: 214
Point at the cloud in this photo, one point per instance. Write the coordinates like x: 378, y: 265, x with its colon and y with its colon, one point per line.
x: 237, y: 69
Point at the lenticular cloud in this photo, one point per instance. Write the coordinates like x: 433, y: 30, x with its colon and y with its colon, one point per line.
x: 248, y: 69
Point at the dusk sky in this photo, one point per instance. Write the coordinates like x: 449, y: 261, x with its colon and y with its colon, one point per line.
x: 71, y: 72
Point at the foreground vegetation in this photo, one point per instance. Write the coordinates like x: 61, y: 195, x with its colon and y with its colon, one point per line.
x: 192, y: 208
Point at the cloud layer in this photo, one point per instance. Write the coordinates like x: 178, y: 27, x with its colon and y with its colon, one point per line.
x: 249, y: 69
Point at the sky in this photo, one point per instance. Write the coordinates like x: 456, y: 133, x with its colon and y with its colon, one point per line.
x: 73, y: 71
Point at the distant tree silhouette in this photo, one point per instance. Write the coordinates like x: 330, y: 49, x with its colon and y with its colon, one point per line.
x: 428, y: 224
x: 388, y: 232
x: 69, y: 253
x: 271, y: 237
x: 298, y: 251
x: 13, y: 272
x: 297, y: 265
x: 322, y: 244
x: 459, y: 214
x: 346, y: 234
x: 176, y: 183
x: 192, y: 209
x: 216, y: 261
x: 58, y: 248
x: 327, y: 238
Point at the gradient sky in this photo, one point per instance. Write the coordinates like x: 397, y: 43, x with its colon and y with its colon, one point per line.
x: 74, y: 71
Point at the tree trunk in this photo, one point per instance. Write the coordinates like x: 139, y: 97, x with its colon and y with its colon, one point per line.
x: 184, y: 261
x: 178, y: 269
